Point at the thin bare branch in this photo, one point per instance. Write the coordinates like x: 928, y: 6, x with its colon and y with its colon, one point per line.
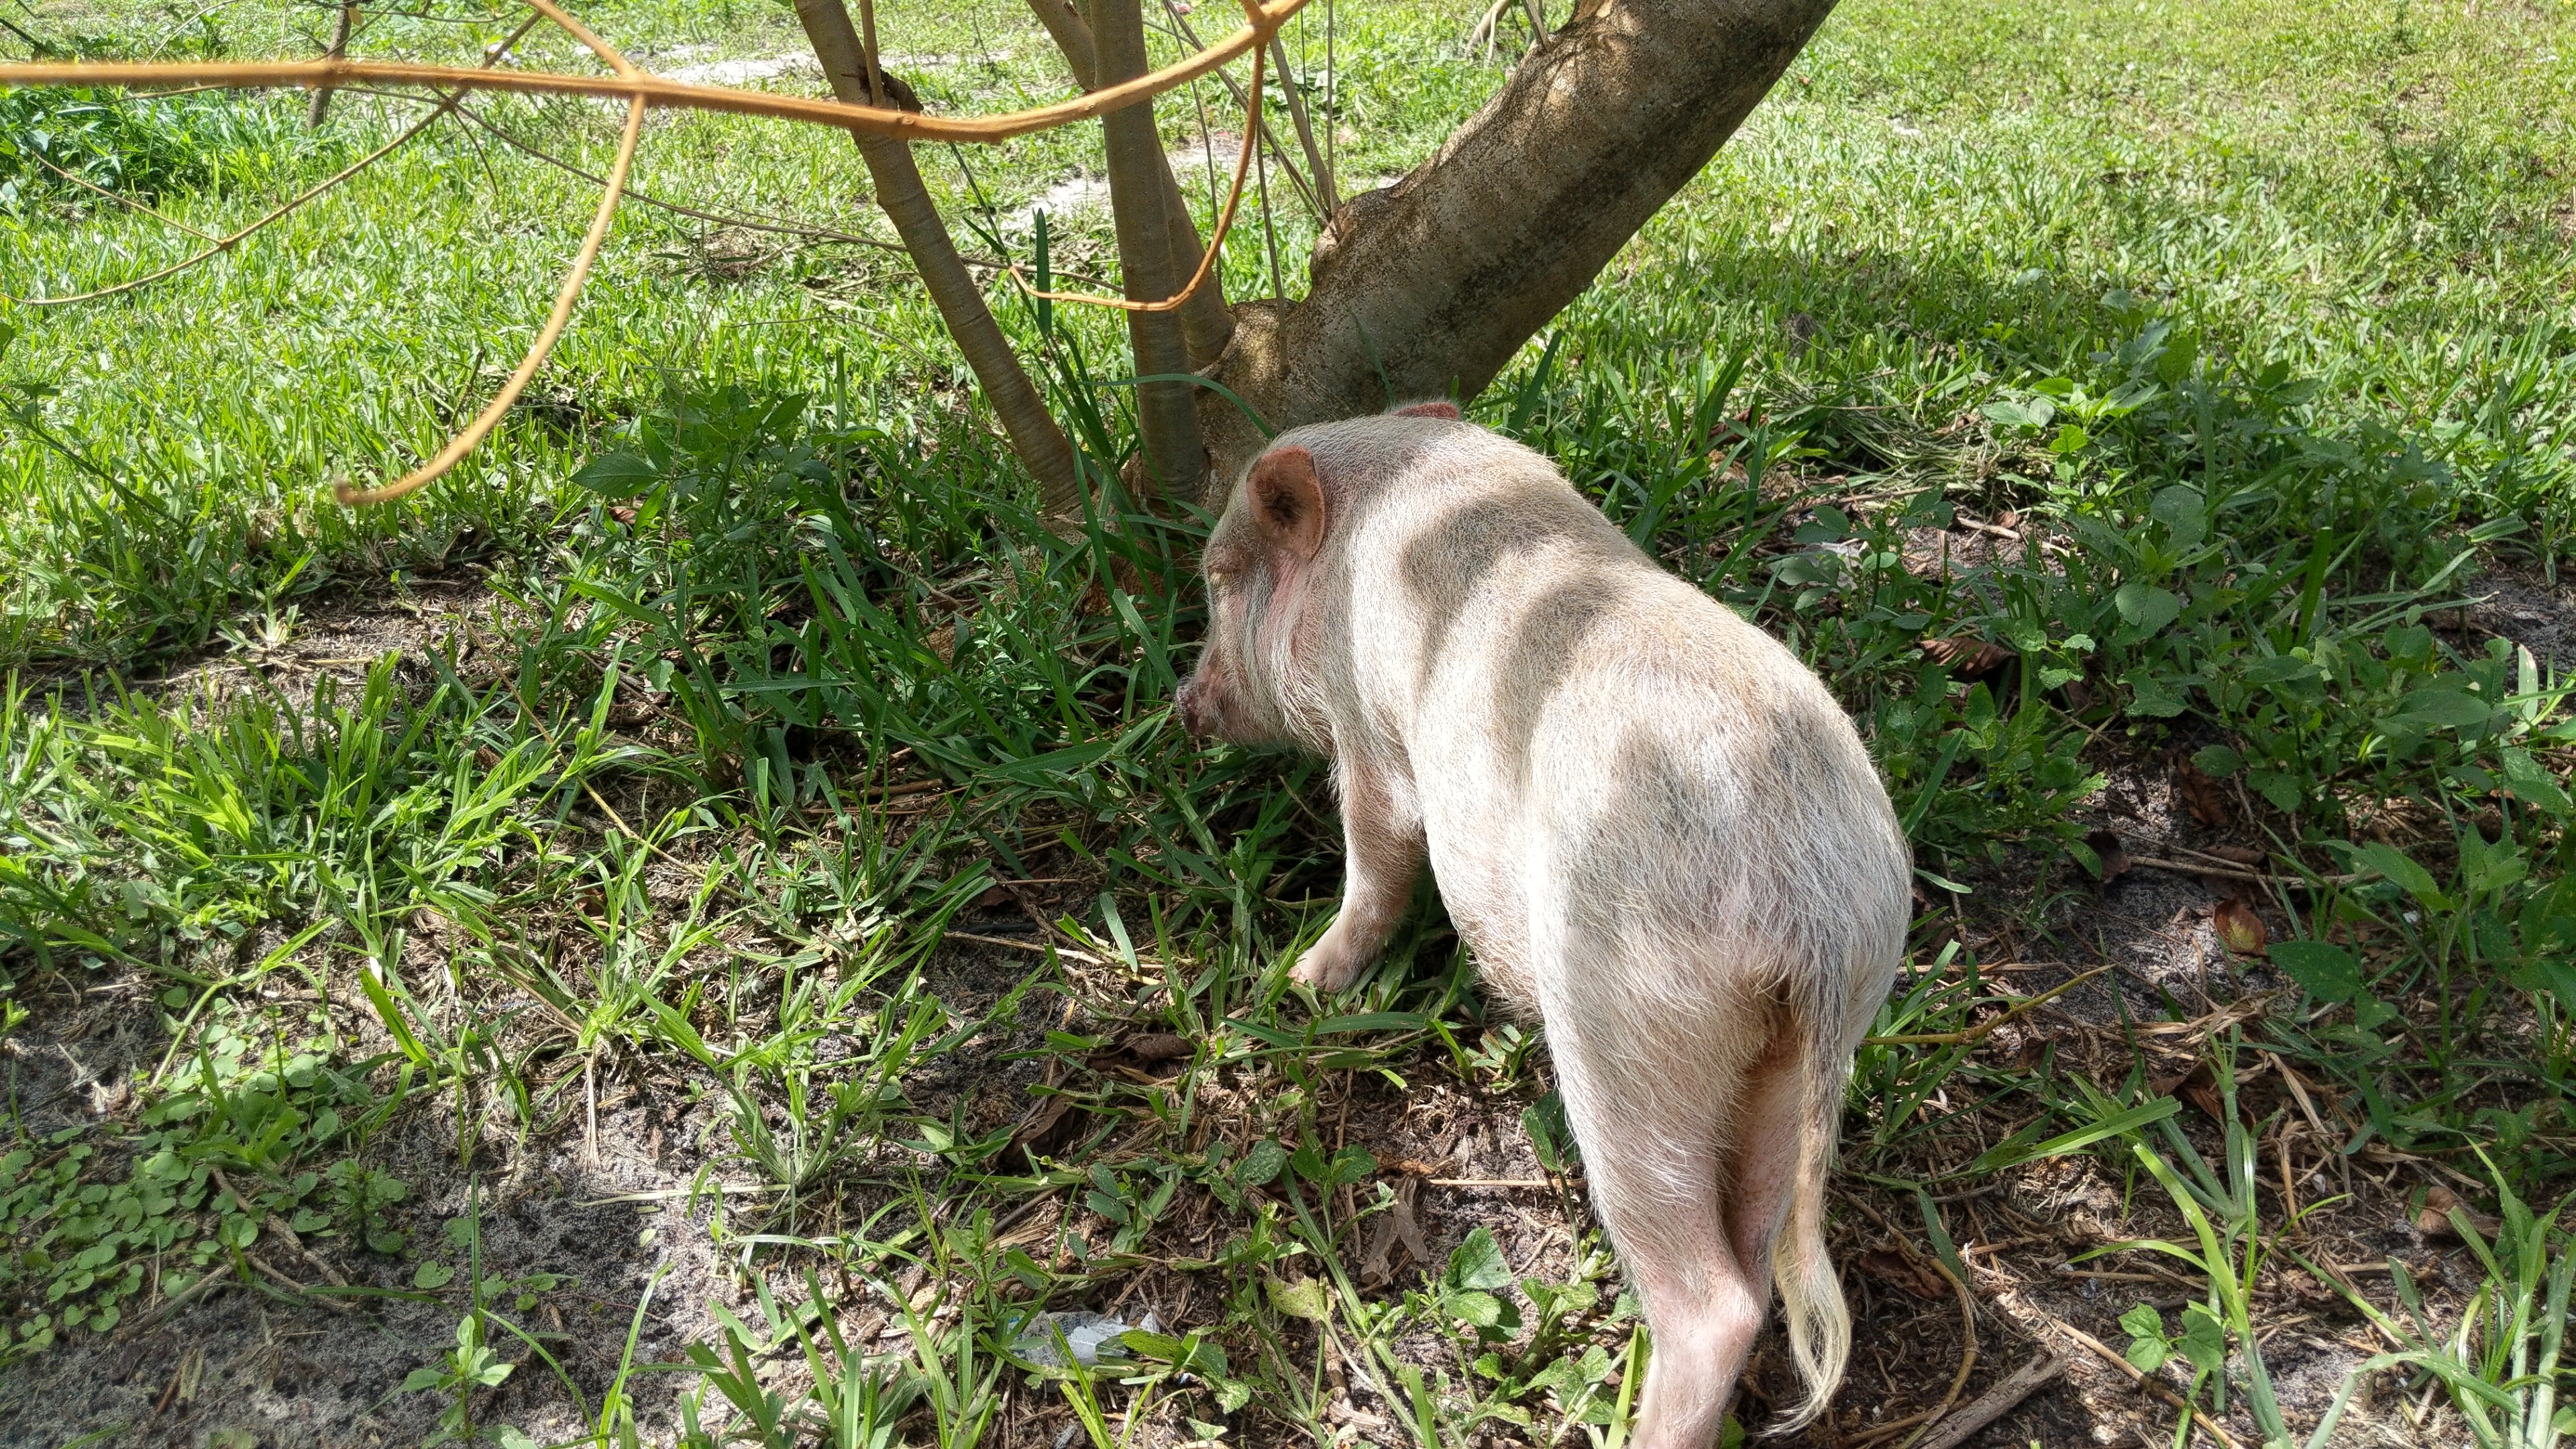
x: 468, y: 440
x: 225, y: 244
x: 1206, y: 324
x: 1269, y: 137
x: 1327, y: 195
x: 658, y: 91
x: 1072, y: 36
x: 638, y: 194
x: 119, y: 198
x: 608, y: 54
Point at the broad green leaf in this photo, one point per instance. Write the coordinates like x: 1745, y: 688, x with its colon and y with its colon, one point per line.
x: 2204, y: 1338
x: 2183, y: 513
x: 1261, y: 1163
x: 2218, y: 761
x: 616, y: 475
x: 2391, y: 862
x: 2151, y: 697
x: 1478, y: 1264
x: 2435, y: 708
x: 1302, y: 1299
x: 2326, y: 972
x: 2530, y: 783
x: 2035, y: 413
x: 2145, y: 607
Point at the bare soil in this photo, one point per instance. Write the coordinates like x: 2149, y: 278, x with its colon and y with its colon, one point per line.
x: 611, y: 1210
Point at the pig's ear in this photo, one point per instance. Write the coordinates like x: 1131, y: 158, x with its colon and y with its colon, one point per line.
x: 1437, y: 408
x: 1288, y: 500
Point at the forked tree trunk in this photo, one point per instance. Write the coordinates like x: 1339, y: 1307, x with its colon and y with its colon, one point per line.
x: 1423, y: 288
x: 1427, y: 287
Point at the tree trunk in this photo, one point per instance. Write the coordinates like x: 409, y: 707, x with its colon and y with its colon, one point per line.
x: 1166, y: 412
x: 1427, y: 287
x: 1206, y: 325
x: 1034, y: 436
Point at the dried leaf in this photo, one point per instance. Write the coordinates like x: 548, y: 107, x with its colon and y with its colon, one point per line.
x: 2239, y: 929
x: 1903, y: 1273
x: 1156, y: 1046
x: 2079, y: 696
x: 1395, y: 1238
x: 2244, y: 855
x: 1972, y: 660
x: 1054, y: 1125
x: 2198, y: 1089
x: 2208, y: 804
x: 2434, y: 1220
x: 1141, y: 1054
x: 2115, y: 859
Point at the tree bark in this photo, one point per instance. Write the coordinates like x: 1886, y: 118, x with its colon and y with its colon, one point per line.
x: 321, y: 105
x: 1428, y: 287
x: 1166, y: 412
x: 1206, y: 325
x: 1034, y: 436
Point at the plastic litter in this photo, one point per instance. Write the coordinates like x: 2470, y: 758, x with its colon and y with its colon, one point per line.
x: 1091, y: 1338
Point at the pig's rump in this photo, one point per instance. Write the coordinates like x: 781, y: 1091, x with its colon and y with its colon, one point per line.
x: 1653, y: 824
x: 1659, y: 826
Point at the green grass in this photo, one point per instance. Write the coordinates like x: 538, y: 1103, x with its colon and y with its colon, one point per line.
x: 2259, y: 317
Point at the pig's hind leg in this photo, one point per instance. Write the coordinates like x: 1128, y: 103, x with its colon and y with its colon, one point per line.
x: 1692, y: 1144
x: 1383, y: 846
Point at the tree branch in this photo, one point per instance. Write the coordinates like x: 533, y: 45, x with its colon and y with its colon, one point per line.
x: 1166, y: 412
x: 1429, y: 286
x: 1206, y: 324
x: 1034, y: 435
x: 339, y: 47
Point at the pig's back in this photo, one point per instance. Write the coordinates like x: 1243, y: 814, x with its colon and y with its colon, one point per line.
x: 1596, y: 741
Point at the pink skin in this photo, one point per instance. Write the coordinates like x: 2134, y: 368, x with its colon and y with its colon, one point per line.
x: 1272, y: 560
x: 1655, y: 828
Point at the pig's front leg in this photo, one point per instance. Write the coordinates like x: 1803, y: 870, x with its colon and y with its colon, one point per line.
x: 1382, y: 836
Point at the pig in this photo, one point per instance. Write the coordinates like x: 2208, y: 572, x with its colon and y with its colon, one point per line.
x: 1651, y: 823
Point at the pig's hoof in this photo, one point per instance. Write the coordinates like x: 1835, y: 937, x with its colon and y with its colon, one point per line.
x: 1327, y: 967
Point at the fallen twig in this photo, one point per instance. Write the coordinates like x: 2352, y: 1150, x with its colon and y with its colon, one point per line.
x: 2231, y: 871
x: 1993, y: 1404
x: 1043, y: 948
x: 207, y: 1282
x: 1967, y: 1355
x: 290, y: 1285
x: 671, y: 1194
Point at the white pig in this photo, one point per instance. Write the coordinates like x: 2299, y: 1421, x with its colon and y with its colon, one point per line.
x: 1651, y: 822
